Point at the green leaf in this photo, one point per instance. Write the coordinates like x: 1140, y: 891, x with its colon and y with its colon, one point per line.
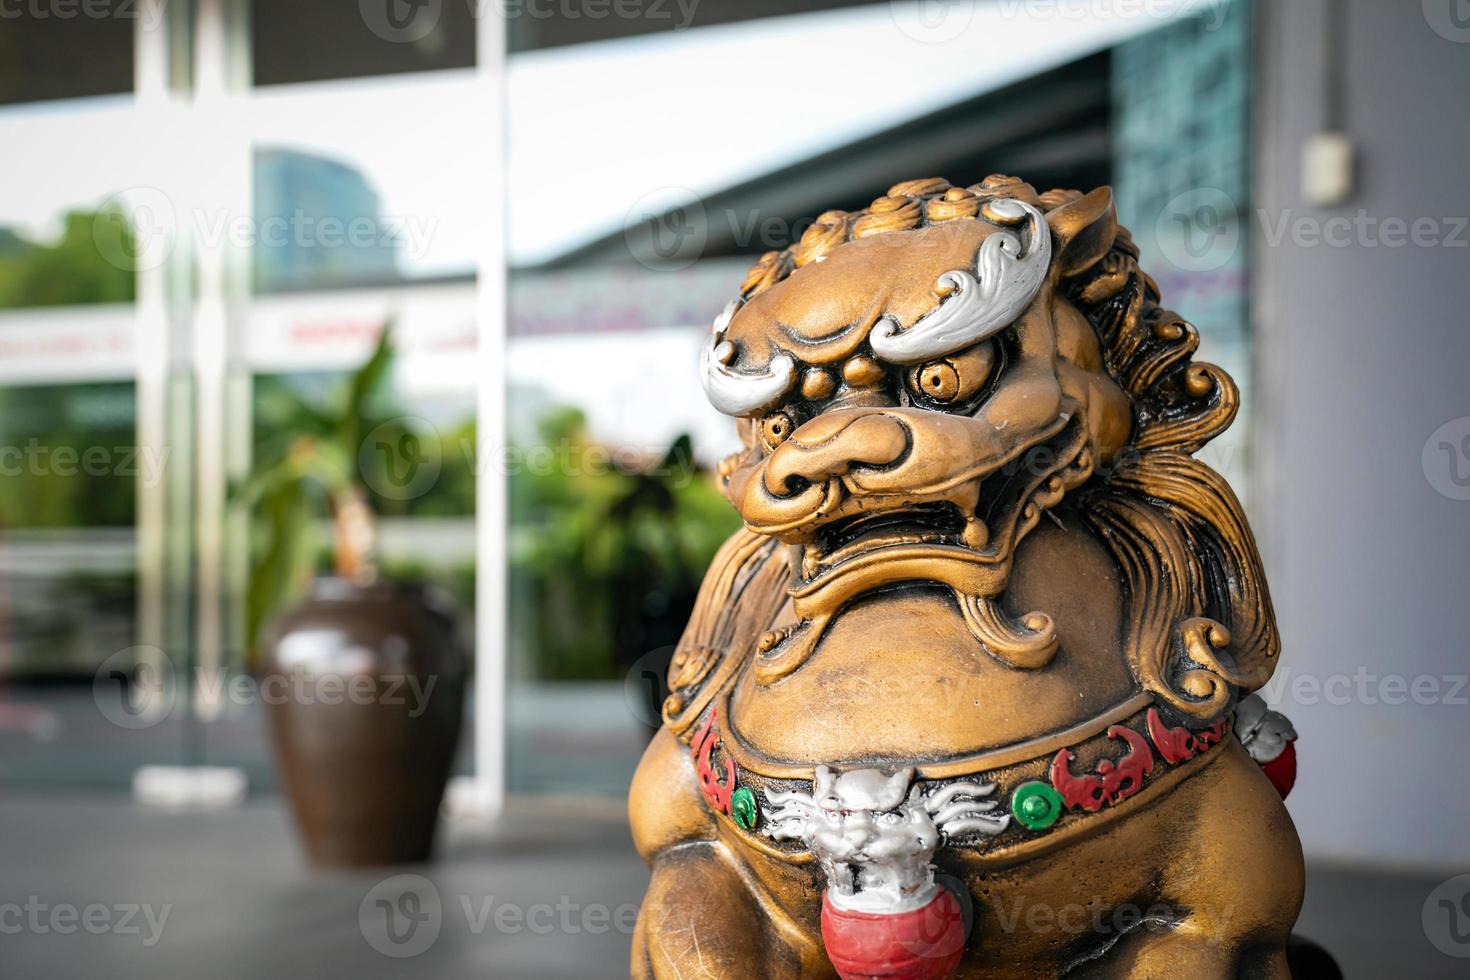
x: 364, y: 383
x: 284, y: 569
x: 267, y: 475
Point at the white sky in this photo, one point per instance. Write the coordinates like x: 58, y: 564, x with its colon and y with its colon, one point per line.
x: 592, y: 129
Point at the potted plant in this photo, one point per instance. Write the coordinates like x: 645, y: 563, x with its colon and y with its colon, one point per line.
x: 362, y: 676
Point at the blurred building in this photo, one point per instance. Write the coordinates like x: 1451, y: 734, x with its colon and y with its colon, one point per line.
x: 320, y: 224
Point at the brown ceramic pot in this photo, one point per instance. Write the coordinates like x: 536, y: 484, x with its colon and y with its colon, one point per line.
x: 364, y: 688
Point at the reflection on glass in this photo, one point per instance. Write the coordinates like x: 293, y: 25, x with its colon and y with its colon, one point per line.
x: 608, y: 546
x: 50, y: 52
x: 71, y: 268
x: 320, y: 225
x: 613, y: 508
x: 68, y: 582
x: 293, y: 41
x: 357, y: 186
x: 71, y: 679
x: 415, y: 476
x: 369, y: 182
x: 70, y: 475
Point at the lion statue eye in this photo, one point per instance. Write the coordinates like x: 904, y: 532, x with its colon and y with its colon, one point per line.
x: 776, y: 428
x: 955, y: 379
x: 939, y: 382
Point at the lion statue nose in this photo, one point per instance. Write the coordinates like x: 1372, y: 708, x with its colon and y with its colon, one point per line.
x: 832, y: 445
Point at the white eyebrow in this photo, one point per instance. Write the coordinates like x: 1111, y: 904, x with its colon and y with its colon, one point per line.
x: 975, y: 305
x: 736, y: 393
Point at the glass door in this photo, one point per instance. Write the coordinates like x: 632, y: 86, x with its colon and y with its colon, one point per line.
x: 92, y: 575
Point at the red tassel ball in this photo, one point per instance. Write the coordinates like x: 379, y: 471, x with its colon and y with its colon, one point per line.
x: 923, y: 944
x: 1282, y: 770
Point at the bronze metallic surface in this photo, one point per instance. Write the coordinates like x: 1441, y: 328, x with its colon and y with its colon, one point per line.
x: 969, y: 564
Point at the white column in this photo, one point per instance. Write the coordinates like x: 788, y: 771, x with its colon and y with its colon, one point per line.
x: 219, y: 193
x: 155, y: 110
x: 487, y: 795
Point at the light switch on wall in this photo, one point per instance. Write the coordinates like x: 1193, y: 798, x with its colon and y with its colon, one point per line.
x: 1327, y: 168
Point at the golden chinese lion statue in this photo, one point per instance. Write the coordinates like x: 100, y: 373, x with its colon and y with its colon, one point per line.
x: 958, y: 700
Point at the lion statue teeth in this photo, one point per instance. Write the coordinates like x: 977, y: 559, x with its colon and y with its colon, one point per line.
x: 982, y: 639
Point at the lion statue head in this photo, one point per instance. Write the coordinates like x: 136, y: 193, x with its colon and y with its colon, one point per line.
x: 919, y: 382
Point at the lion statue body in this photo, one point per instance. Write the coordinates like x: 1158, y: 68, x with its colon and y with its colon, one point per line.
x: 958, y: 699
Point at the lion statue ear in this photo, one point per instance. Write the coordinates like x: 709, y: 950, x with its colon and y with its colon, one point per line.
x: 1084, y: 229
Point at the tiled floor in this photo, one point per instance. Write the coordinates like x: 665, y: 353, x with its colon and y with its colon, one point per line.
x: 229, y: 898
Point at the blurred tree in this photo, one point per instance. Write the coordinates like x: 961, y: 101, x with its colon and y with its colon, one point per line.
x: 75, y: 269
x: 606, y: 559
x: 67, y: 457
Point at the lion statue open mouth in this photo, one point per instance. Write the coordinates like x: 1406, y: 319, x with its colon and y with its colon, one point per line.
x: 978, y: 554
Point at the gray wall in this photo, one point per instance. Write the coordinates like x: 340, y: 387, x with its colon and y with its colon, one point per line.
x: 1363, y: 352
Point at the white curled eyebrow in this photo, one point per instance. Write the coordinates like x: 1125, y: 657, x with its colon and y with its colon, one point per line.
x: 736, y: 393
x: 975, y: 305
